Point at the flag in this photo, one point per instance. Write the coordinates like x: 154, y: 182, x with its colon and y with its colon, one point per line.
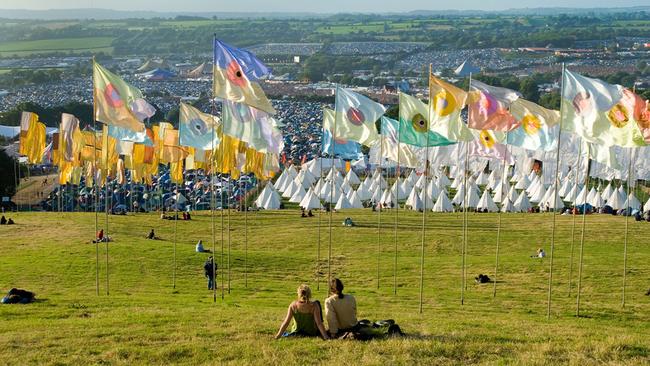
x: 488, y: 107
x: 355, y: 117
x: 414, y: 124
x: 338, y: 146
x: 32, y: 138
x: 254, y: 127
x: 488, y: 144
x: 124, y: 134
x: 66, y: 144
x: 537, y: 126
x: 167, y: 143
x: 446, y: 103
x: 236, y: 74
x: 390, y: 147
x: 601, y: 113
x: 198, y: 129
x: 114, y: 99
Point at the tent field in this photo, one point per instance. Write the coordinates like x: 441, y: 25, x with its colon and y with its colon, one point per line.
x: 144, y: 320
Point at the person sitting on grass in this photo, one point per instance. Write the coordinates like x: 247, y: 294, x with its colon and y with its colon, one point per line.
x: 152, y: 235
x: 199, y: 247
x: 3, y: 220
x: 10, y: 221
x: 310, y: 214
x: 340, y: 310
x: 307, y: 317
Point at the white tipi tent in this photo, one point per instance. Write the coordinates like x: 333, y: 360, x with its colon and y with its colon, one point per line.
x: 443, y: 204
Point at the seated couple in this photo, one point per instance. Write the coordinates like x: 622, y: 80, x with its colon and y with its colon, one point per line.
x: 340, y: 312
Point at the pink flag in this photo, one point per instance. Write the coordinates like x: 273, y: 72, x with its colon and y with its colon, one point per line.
x: 488, y: 107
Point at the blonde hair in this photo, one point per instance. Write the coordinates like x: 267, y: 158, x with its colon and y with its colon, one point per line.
x: 304, y: 293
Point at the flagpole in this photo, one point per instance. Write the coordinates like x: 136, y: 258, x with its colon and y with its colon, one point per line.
x: 245, y: 206
x: 582, y: 235
x: 397, y: 179
x: 213, y: 200
x: 175, y: 230
x: 502, y: 187
x: 229, y: 241
x: 329, y: 248
x: 106, y: 212
x: 464, y: 242
x: 627, y: 216
x: 95, y: 185
x: 573, y: 228
x: 381, y: 157
x: 320, y: 211
x: 557, y: 181
x: 424, y: 201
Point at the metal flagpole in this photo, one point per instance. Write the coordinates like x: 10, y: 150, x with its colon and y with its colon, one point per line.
x: 223, y: 163
x: 502, y: 187
x: 573, y: 227
x: 245, y: 206
x: 465, y: 195
x: 424, y: 200
x: 95, y: 186
x: 627, y: 216
x: 331, y: 207
x: 397, y: 179
x: 582, y: 235
x: 557, y: 181
x: 212, y: 197
x: 381, y: 157
x: 320, y: 212
x: 229, y: 242
x: 106, y: 231
x: 175, y: 230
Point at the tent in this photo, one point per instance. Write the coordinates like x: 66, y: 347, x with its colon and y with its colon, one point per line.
x: 355, y: 202
x: 342, y: 203
x: 363, y: 193
x: 310, y: 201
x: 632, y: 202
x: 486, y: 203
x: 150, y: 65
x: 443, y: 204
x: 508, y: 206
x: 267, y: 200
x: 466, y: 68
x: 352, y: 178
x: 522, y: 204
x: 298, y: 195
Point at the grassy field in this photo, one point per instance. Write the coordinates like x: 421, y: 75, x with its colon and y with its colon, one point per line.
x: 25, y: 48
x: 145, y: 320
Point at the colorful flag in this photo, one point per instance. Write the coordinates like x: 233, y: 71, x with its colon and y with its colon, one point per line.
x: 391, y: 148
x: 488, y: 107
x: 114, y: 98
x: 124, y: 134
x: 32, y: 138
x: 67, y: 133
x: 601, y: 113
x: 198, y: 129
x: 338, y: 146
x: 488, y: 144
x: 537, y: 126
x: 254, y: 127
x: 446, y: 103
x: 414, y: 124
x: 355, y: 117
x: 236, y: 75
x: 167, y: 143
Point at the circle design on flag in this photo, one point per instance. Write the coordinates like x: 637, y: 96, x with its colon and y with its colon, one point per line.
x: 235, y: 74
x: 618, y: 116
x: 355, y: 116
x: 486, y: 139
x: 583, y: 104
x: 531, y: 124
x: 113, y: 97
x: 444, y: 103
x: 198, y: 126
x: 419, y: 123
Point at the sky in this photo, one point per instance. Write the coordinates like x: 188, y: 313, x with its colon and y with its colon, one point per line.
x: 329, y: 6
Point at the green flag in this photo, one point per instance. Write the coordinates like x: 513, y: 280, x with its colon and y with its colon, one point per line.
x: 414, y: 124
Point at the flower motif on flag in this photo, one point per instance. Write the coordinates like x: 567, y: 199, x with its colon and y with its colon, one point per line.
x: 486, y: 139
x: 419, y: 123
x: 235, y: 74
x: 583, y: 104
x: 355, y: 116
x: 112, y: 96
x: 618, y: 115
x: 444, y: 103
x: 531, y: 124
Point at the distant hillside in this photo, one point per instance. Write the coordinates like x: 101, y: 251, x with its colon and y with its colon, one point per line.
x: 104, y: 14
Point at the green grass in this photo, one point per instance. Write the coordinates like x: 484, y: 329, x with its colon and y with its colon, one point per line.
x: 146, y: 321
x: 25, y: 48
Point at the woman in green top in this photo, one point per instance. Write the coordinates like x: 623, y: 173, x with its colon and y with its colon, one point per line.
x: 307, y: 317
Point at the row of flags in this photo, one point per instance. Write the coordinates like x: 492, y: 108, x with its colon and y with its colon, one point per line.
x: 247, y: 137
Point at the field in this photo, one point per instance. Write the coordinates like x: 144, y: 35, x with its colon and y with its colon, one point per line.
x: 145, y: 320
x: 76, y: 45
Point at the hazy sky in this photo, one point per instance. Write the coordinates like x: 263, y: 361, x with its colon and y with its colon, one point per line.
x: 328, y: 6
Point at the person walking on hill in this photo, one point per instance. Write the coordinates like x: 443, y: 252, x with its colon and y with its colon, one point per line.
x: 210, y: 269
x: 307, y: 317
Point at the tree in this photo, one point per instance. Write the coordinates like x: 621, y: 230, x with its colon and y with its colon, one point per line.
x: 529, y: 89
x: 7, y: 179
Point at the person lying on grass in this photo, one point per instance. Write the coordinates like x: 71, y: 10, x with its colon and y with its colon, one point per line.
x: 307, y: 317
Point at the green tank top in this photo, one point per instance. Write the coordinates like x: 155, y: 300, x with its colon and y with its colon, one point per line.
x: 304, y: 323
